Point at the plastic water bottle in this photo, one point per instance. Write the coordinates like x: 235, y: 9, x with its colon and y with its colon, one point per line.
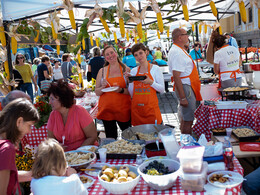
x: 228, y: 154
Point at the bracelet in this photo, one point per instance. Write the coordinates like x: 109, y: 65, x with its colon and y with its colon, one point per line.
x: 183, y: 99
x: 122, y: 90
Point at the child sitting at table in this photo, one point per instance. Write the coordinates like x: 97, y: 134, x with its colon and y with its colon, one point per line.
x: 50, y: 173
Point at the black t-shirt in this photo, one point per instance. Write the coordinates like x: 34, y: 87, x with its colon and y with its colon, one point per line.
x: 18, y: 78
x: 96, y: 64
x: 40, y: 68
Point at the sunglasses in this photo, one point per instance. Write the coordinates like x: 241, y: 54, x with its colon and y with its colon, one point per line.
x: 184, y: 34
x: 20, y: 58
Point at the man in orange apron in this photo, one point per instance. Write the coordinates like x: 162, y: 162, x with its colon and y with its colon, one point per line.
x: 186, y: 79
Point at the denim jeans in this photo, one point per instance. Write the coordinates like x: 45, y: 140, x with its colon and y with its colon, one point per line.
x: 27, y: 87
x: 251, y: 185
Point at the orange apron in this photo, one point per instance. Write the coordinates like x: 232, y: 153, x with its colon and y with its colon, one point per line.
x: 232, y: 76
x: 144, y: 108
x: 194, y: 78
x: 113, y: 105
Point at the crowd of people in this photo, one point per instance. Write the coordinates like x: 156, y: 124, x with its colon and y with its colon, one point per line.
x: 132, y: 100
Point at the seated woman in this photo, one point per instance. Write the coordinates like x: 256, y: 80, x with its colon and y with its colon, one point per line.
x: 68, y: 123
x: 144, y: 106
x: 196, y: 52
x: 226, y: 63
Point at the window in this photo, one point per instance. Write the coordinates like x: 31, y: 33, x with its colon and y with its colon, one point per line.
x: 250, y: 15
x: 239, y: 19
x: 239, y: 43
x: 249, y: 43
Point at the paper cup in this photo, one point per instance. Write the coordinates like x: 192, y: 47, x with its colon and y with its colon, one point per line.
x: 102, y: 154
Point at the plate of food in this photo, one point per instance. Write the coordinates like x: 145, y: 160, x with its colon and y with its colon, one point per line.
x: 110, y: 89
x: 86, y: 180
x: 225, y: 179
x: 91, y: 148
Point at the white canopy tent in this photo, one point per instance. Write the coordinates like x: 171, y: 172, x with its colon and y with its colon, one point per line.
x: 14, y: 10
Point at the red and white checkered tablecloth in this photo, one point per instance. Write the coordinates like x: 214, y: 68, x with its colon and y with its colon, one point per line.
x: 142, y: 188
x: 208, y: 117
x: 34, y: 138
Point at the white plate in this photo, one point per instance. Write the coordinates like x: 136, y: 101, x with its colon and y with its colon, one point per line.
x: 96, y: 171
x: 109, y: 89
x: 86, y: 148
x: 87, y: 185
x: 234, y: 180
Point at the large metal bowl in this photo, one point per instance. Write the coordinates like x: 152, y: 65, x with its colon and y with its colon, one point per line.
x: 85, y: 164
x: 146, y: 129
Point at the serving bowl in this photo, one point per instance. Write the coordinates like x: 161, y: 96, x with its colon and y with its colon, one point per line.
x: 161, y: 182
x: 120, y: 188
x: 84, y: 164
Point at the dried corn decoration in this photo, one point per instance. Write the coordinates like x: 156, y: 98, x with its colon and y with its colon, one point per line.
x: 83, y: 44
x: 158, y: 35
x: 120, y: 13
x: 200, y: 28
x: 54, y: 21
x: 78, y: 56
x: 145, y: 34
x: 242, y: 10
x: 93, y: 13
x: 81, y: 79
x: 135, y: 39
x: 137, y: 18
x: 220, y: 30
x: 3, y: 57
x: 185, y: 9
x: 91, y: 39
x: 37, y: 36
x: 156, y: 9
x: 2, y: 33
x: 205, y: 28
x: 68, y: 5
x: 193, y: 27
x: 168, y: 32
x: 115, y: 37
x: 97, y: 42
x: 257, y: 4
x: 58, y: 46
x: 14, y: 45
x: 213, y: 8
x: 127, y: 35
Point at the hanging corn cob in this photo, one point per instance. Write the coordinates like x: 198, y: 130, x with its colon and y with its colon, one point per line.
x: 81, y: 79
x: 115, y: 37
x: 192, y: 26
x: 91, y: 39
x: 14, y: 45
x: 83, y: 44
x: 68, y: 5
x: 137, y: 18
x: 37, y: 36
x: 127, y: 35
x: 185, y: 9
x: 54, y: 21
x: 58, y: 46
x: 156, y: 9
x: 205, y: 28
x: 145, y: 34
x: 168, y: 32
x: 2, y: 33
x: 120, y: 12
x: 135, y: 39
x: 96, y: 12
x: 3, y: 57
x: 200, y: 28
x: 158, y: 35
x: 242, y: 10
x: 257, y: 5
x: 213, y: 8
x: 78, y: 56
x: 97, y: 42
x: 220, y: 30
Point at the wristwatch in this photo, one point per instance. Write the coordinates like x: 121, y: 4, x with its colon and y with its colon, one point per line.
x: 122, y: 90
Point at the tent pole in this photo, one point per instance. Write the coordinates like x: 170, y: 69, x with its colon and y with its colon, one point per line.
x: 197, y: 32
x: 9, y: 54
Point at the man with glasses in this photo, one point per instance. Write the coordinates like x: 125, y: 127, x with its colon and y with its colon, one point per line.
x: 186, y: 79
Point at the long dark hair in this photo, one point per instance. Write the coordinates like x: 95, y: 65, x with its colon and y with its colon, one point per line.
x: 119, y: 61
x: 219, y: 40
x: 16, y: 60
x: 20, y: 107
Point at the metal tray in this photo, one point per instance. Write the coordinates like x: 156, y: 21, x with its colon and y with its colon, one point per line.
x: 120, y: 156
x: 219, y: 133
x: 249, y: 138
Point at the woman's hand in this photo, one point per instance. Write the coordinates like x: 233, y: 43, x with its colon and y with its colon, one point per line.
x: 104, y: 83
x: 147, y: 81
x: 127, y: 75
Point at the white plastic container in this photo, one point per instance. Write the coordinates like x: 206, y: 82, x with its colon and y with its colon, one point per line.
x: 231, y: 104
x: 191, y: 158
x: 194, y: 181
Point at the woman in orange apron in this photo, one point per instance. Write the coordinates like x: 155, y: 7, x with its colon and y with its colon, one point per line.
x: 226, y: 63
x: 144, y: 107
x: 114, y: 102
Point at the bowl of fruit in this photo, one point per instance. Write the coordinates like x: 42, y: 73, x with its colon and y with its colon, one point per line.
x: 160, y: 174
